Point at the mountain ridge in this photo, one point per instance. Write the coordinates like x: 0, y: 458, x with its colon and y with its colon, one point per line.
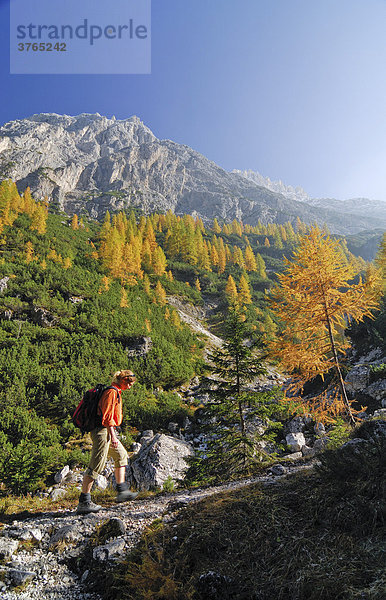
x: 89, y: 163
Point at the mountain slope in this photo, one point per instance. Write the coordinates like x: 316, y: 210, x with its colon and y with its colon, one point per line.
x: 91, y: 164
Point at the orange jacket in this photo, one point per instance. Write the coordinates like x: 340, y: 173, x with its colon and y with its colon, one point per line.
x: 110, y: 407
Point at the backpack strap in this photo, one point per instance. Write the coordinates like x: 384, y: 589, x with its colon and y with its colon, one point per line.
x: 114, y: 387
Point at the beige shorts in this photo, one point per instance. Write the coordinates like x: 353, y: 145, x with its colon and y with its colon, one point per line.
x: 101, y: 449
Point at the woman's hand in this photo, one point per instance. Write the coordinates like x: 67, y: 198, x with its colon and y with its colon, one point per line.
x: 113, y: 437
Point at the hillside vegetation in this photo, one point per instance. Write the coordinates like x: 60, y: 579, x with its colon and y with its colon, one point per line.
x: 76, y: 298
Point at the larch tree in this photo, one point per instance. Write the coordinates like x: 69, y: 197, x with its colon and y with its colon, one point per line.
x: 245, y: 296
x: 315, y: 300
x: 250, y: 260
x: 231, y: 290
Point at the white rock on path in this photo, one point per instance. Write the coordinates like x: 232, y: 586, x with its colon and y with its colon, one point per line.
x: 295, y: 441
x: 161, y: 458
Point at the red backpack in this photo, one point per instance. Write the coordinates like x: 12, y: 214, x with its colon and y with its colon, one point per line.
x: 85, y: 416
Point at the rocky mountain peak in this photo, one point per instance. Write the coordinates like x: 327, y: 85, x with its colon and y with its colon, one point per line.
x: 90, y: 163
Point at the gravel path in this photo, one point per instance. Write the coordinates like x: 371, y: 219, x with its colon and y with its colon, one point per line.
x: 53, y: 579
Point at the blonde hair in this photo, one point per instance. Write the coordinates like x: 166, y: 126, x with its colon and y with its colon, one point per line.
x: 125, y: 374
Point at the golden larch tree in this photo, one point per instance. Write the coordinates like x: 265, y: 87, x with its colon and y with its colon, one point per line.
x: 231, y: 290
x: 315, y: 300
x: 245, y: 296
x: 75, y: 222
x: 160, y: 293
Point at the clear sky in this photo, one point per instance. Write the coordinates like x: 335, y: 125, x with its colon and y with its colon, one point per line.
x: 294, y: 89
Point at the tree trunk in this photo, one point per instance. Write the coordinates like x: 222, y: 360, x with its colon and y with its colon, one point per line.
x: 338, y: 371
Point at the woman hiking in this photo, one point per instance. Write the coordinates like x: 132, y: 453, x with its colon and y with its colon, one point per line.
x: 106, y: 443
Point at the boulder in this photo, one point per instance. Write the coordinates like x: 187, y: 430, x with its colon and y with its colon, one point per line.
x: 43, y: 317
x: 292, y: 457
x: 295, y: 441
x: 319, y: 429
x: 162, y: 458
x: 377, y: 391
x: 139, y: 346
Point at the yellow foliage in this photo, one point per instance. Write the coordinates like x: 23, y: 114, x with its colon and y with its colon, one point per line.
x: 315, y: 300
x: 231, y: 289
x: 124, y: 300
x: 67, y: 263
x: 160, y: 293
x: 29, y: 252
x: 104, y: 285
x: 245, y: 296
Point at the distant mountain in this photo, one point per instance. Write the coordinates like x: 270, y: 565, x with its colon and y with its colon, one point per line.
x: 294, y: 193
x: 91, y: 164
x: 359, y: 207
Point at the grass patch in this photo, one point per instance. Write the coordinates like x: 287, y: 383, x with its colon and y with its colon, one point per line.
x: 312, y: 536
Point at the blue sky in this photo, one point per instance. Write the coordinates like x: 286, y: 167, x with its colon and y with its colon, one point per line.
x: 295, y: 89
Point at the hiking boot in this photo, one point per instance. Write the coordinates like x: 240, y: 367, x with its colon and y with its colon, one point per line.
x: 84, y: 508
x: 126, y: 495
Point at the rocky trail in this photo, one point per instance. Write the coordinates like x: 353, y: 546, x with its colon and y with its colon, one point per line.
x: 35, y: 553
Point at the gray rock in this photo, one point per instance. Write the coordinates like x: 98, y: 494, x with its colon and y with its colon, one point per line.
x: 319, y: 429
x: 307, y: 451
x: 109, y: 551
x: 20, y: 577
x: 68, y: 533
x: 75, y: 299
x: 377, y: 390
x: 146, y: 436
x: 7, y: 548
x: 43, y: 317
x: 136, y: 447
x: 57, y: 493
x: 173, y: 427
x: 138, y: 346
x: 60, y: 475
x: 278, y: 470
x: 320, y: 444
x: 296, y: 425
x: 357, y: 379
x: 161, y: 458
x: 101, y: 482
x: 36, y: 534
x: 354, y: 446
x: 3, y: 284
x: 295, y: 441
x: 380, y: 413
x: 84, y: 577
x: 294, y: 456
x: 113, y: 528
